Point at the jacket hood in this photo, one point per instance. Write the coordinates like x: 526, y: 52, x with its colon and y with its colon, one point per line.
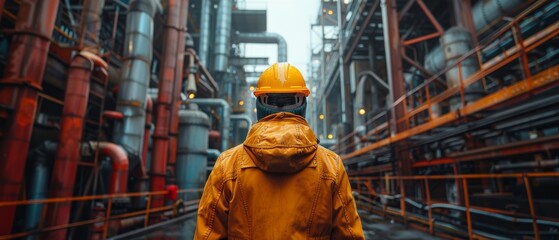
x: 281, y: 143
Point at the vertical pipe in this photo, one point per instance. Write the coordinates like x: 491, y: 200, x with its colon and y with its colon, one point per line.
x: 18, y: 93
x: 90, y: 24
x: 164, y: 103
x: 1, y: 8
x: 41, y: 160
x: 135, y: 75
x: 223, y: 35
x: 177, y: 85
x: 149, y: 110
x: 68, y: 152
x: 341, y: 66
x: 204, y: 32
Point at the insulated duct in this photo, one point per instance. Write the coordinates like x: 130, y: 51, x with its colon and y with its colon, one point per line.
x: 223, y: 35
x: 204, y: 32
x: 484, y: 14
x: 135, y: 75
x: 265, y: 37
x: 224, y: 114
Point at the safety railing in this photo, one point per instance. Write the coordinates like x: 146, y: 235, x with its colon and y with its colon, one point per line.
x: 391, y: 196
x: 103, y: 215
x: 518, y: 51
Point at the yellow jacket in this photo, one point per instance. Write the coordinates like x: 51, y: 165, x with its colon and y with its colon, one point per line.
x: 279, y: 184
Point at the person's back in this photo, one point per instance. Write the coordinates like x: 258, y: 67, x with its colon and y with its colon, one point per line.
x: 279, y: 184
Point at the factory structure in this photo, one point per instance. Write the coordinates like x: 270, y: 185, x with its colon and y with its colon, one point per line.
x: 113, y: 112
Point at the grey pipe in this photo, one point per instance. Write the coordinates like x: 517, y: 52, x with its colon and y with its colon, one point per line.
x: 265, y: 37
x: 129, y: 133
x: 225, y: 114
x: 204, y: 32
x: 223, y: 35
x: 244, y: 117
x: 484, y: 13
x: 41, y: 159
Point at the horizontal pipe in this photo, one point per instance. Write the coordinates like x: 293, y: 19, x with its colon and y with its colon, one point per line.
x: 265, y: 37
x: 534, y: 164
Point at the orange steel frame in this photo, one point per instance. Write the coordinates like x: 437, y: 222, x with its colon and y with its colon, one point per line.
x: 424, y: 181
x: 528, y: 85
x: 105, y: 220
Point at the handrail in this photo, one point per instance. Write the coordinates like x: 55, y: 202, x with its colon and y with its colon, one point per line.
x: 518, y: 50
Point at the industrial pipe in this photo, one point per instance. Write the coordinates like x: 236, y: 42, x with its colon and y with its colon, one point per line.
x: 532, y: 164
x: 265, y: 37
x: 41, y: 161
x: 119, y: 158
x: 204, y: 32
x: 135, y: 76
x: 90, y: 24
x: 68, y: 152
x: 223, y: 35
x: 176, y: 100
x: 242, y: 117
x: 19, y: 89
x: 147, y: 130
x: 164, y: 103
x: 484, y: 14
x: 224, y: 116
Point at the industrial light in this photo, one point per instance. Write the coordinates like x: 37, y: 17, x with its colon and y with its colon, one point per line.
x: 251, y: 88
x: 241, y: 102
x: 330, y: 12
x: 321, y: 116
x: 362, y: 111
x: 254, y: 110
x: 330, y: 136
x: 191, y: 96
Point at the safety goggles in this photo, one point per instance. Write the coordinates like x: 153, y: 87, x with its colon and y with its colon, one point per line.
x: 282, y: 101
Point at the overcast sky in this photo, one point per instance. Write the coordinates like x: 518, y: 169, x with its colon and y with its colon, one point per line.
x: 291, y: 19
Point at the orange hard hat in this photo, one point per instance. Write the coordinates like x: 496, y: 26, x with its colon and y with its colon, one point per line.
x: 281, y: 78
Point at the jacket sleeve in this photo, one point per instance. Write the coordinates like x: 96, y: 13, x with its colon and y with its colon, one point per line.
x: 214, y: 208
x: 346, y: 221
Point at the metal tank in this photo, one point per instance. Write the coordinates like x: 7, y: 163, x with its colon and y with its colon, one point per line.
x: 192, y: 150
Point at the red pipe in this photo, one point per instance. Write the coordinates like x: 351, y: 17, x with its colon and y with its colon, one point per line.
x: 113, y: 115
x: 176, y: 100
x: 119, y: 176
x: 149, y: 110
x: 68, y: 152
x: 19, y: 89
x: 164, y: 107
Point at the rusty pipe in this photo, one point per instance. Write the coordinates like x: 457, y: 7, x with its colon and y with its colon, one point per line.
x: 176, y: 101
x: 68, y: 151
x: 90, y: 24
x: 119, y: 158
x: 19, y: 89
x: 164, y: 103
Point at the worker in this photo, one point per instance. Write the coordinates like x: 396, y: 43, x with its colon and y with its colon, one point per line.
x: 279, y: 184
